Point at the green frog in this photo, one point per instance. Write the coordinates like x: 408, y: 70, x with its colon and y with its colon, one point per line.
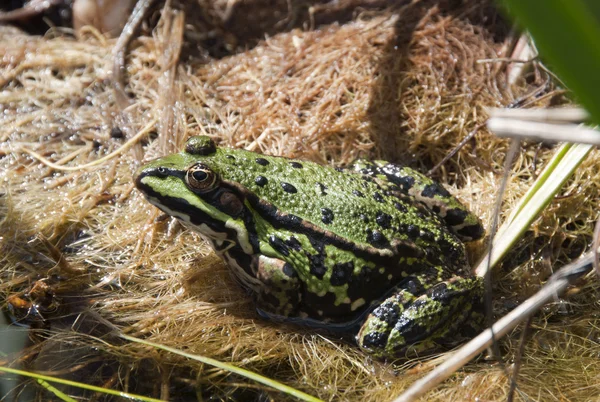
x: 375, y: 250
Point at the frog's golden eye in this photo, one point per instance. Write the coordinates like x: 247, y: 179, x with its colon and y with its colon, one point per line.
x: 200, y: 178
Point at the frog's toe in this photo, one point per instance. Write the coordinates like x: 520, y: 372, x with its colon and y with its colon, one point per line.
x: 405, y: 324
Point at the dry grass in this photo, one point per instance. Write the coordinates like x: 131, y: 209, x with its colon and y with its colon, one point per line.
x: 401, y: 84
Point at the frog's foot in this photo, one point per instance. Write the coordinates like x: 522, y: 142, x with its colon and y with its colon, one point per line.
x: 463, y: 223
x: 407, y: 324
x: 279, y: 294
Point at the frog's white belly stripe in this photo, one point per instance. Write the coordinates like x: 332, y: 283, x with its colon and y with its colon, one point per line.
x: 216, y: 239
x: 242, y: 238
x: 244, y: 278
x: 185, y: 218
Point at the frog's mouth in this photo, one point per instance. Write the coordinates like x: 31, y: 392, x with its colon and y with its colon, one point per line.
x: 223, y: 237
x: 181, y: 209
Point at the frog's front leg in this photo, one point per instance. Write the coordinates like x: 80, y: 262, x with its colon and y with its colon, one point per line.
x: 279, y: 294
x: 406, y: 324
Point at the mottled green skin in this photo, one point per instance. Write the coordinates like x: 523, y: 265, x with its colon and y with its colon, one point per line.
x: 339, y: 249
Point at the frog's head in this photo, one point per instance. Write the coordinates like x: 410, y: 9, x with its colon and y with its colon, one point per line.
x: 188, y: 186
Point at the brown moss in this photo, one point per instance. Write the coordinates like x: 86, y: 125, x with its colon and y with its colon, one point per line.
x: 402, y: 83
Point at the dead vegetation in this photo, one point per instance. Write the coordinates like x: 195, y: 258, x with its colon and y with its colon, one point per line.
x: 402, y: 83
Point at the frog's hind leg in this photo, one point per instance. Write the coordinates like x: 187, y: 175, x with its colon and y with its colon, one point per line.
x: 463, y: 223
x: 279, y: 294
x: 443, y: 315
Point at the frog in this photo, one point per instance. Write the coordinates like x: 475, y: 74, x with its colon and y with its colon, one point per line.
x: 374, y: 250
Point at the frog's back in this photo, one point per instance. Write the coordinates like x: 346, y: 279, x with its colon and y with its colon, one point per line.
x: 345, y: 205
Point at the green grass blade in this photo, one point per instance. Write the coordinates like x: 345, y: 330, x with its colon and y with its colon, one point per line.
x: 567, y: 33
x: 81, y: 385
x: 57, y: 392
x: 231, y: 368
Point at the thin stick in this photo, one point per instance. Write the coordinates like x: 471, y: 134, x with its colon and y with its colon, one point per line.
x: 135, y: 19
x: 518, y: 361
x: 487, y: 274
x: 31, y: 9
x: 131, y: 142
x: 595, y: 244
x: 558, y: 114
x: 537, y: 131
x: 555, y: 286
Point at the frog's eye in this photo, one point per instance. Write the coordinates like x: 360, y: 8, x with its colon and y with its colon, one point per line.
x: 200, y: 178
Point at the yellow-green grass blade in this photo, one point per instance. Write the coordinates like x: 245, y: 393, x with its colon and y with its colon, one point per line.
x: 41, y: 377
x: 57, y: 392
x: 231, y: 368
x: 562, y: 165
x: 567, y: 32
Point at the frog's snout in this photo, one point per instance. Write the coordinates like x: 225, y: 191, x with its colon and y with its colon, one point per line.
x: 139, y: 175
x: 156, y: 168
x: 147, y: 170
